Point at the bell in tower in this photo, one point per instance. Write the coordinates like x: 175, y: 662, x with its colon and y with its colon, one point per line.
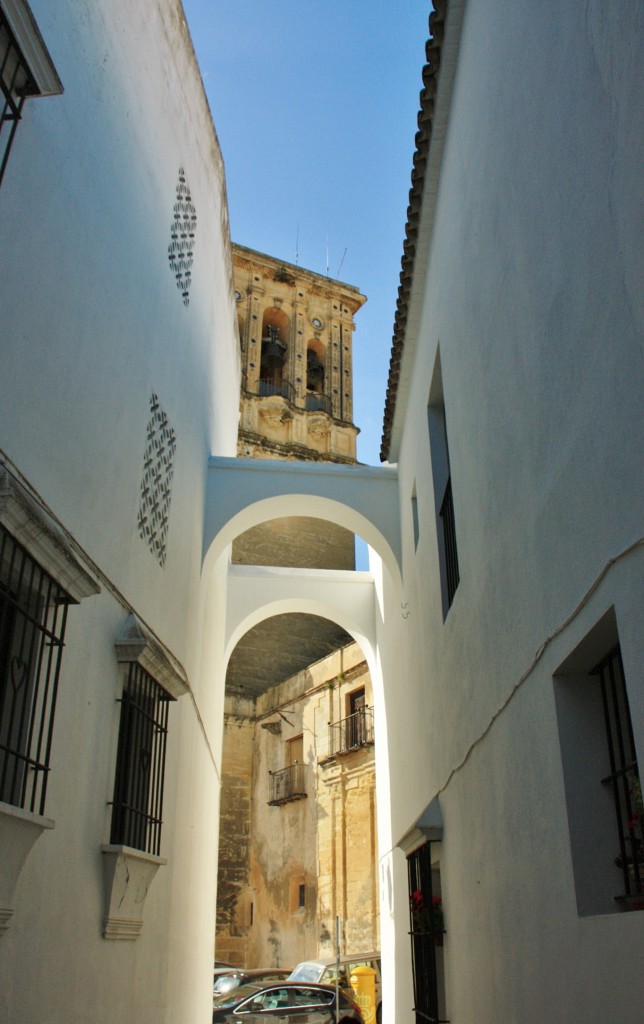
x: 272, y: 361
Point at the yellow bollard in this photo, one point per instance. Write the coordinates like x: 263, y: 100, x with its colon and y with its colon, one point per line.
x: 363, y: 983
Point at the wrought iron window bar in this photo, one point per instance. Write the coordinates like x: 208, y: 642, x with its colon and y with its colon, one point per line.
x: 286, y: 784
x: 624, y: 778
x: 352, y: 732
x: 33, y: 615
x: 137, y: 811
x: 424, y: 934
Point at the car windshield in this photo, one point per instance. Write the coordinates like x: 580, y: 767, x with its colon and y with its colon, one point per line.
x: 226, y: 982
x: 305, y: 972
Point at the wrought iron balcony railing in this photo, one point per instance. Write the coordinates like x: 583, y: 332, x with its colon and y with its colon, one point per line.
x: 352, y: 732
x: 266, y: 388
x: 318, y: 403
x: 286, y: 784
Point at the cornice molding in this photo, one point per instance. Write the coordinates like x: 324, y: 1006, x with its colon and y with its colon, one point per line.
x: 27, y: 35
x: 32, y: 527
x: 136, y: 644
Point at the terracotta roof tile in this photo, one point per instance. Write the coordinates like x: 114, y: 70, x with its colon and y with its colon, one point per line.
x: 422, y: 141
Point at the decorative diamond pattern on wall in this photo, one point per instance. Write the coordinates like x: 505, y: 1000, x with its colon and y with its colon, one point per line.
x: 182, y: 238
x: 156, y: 485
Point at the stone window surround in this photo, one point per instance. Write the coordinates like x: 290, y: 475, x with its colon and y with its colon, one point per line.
x: 27, y: 35
x: 129, y: 873
x: 36, y: 530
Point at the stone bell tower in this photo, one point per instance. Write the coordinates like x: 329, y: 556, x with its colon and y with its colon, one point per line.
x: 295, y: 331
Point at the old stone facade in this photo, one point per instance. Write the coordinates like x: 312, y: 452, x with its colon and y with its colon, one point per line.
x: 298, y: 818
x: 295, y: 331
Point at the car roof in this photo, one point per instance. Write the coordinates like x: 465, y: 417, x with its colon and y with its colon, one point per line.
x: 329, y: 961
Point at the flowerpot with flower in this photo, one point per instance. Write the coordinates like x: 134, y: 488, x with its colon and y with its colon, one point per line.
x: 427, y: 918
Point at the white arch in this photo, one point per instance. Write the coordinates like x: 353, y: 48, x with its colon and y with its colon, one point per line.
x: 242, y: 493
x: 256, y: 593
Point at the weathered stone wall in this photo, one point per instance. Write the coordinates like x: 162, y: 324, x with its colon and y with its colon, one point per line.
x: 325, y: 842
x: 233, y: 909
x: 296, y: 542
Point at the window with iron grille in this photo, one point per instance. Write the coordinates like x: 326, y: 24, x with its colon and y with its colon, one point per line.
x: 33, y: 614
x: 26, y: 70
x: 426, y: 933
x: 623, y: 779
x: 601, y: 774
x: 444, y: 502
x: 137, y: 812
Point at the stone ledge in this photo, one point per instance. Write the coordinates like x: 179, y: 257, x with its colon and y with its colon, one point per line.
x: 19, y: 831
x: 128, y: 875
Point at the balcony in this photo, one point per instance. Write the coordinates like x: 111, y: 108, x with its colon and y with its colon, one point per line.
x: 317, y: 403
x: 351, y: 733
x: 266, y: 388
x: 286, y: 785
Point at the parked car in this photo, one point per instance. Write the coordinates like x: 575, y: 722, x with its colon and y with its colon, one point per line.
x: 235, y: 977
x: 325, y: 971
x: 288, y: 1002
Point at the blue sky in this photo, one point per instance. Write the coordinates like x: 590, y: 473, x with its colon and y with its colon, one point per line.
x: 315, y: 108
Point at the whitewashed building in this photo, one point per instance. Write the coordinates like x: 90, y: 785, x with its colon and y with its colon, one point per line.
x: 514, y: 416
x: 119, y: 375
x: 506, y: 531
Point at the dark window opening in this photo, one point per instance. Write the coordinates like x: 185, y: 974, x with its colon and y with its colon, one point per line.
x: 446, y: 514
x: 272, y: 361
x: 302, y: 896
x: 426, y: 931
x: 140, y: 763
x: 33, y: 615
x: 443, y: 498
x: 601, y: 774
x: 414, y: 518
x: 623, y: 779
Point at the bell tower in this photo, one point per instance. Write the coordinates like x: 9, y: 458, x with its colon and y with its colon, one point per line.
x: 295, y: 331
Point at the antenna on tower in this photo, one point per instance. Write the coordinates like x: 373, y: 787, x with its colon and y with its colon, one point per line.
x: 341, y: 262
x: 297, y: 243
x: 327, y: 255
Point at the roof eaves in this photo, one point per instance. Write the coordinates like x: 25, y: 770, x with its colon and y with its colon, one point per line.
x: 423, y: 137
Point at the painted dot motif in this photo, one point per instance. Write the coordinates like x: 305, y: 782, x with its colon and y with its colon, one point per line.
x: 156, y: 484
x: 182, y: 238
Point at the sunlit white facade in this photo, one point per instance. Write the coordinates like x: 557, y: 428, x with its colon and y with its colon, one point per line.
x: 515, y: 388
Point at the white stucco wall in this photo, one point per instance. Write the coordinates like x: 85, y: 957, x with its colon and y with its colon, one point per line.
x: 93, y: 324
x: 532, y: 297
x: 527, y: 285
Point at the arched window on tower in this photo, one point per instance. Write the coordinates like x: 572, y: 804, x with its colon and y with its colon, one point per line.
x: 316, y: 400
x: 274, y: 351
